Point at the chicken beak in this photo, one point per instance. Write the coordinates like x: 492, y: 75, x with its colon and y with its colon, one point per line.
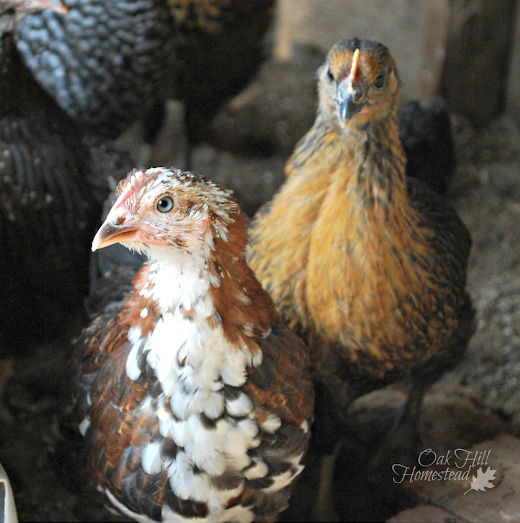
x: 122, y: 226
x: 350, y: 91
x: 114, y: 230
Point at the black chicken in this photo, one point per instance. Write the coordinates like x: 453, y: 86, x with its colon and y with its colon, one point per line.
x: 109, y: 64
x: 219, y: 46
x: 427, y: 138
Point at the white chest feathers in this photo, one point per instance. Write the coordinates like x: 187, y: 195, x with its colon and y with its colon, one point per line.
x: 200, y: 408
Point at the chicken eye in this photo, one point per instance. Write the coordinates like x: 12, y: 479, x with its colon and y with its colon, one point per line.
x: 165, y: 204
x: 379, y: 81
x: 330, y: 74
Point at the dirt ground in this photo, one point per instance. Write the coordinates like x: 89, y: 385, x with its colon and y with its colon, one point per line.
x: 254, y: 136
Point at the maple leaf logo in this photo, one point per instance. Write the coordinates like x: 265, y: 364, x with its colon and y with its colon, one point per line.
x: 482, y: 480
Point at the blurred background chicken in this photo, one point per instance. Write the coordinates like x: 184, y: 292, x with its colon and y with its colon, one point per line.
x: 426, y: 133
x: 104, y: 64
x: 51, y: 191
x: 367, y: 265
x: 219, y: 46
x: 190, y: 398
x: 111, y: 64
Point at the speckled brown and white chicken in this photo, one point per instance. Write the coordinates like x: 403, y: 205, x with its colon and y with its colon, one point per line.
x: 191, y: 398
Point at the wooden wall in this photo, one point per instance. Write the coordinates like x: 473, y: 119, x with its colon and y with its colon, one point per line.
x: 466, y: 49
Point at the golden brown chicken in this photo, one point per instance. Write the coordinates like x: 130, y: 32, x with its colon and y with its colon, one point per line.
x: 369, y: 267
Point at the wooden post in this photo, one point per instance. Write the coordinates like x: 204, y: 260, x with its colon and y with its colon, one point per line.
x: 478, y: 50
x: 434, y: 47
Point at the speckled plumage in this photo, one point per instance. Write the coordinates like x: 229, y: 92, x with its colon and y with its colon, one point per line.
x: 49, y: 203
x: 104, y: 63
x: 367, y: 266
x: 191, y: 398
x: 109, y: 64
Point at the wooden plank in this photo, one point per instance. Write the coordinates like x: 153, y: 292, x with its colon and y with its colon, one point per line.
x: 513, y: 85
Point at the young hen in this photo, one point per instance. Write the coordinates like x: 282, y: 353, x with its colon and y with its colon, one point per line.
x: 110, y: 64
x: 192, y: 398
x: 369, y: 267
x: 427, y: 138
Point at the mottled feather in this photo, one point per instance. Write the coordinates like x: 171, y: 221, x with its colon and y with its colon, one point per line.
x: 151, y: 405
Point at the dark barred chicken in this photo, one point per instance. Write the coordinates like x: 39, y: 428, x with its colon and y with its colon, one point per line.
x: 105, y: 63
x: 51, y: 188
x: 46, y: 202
x: 366, y: 264
x: 110, y: 64
x: 190, y: 400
